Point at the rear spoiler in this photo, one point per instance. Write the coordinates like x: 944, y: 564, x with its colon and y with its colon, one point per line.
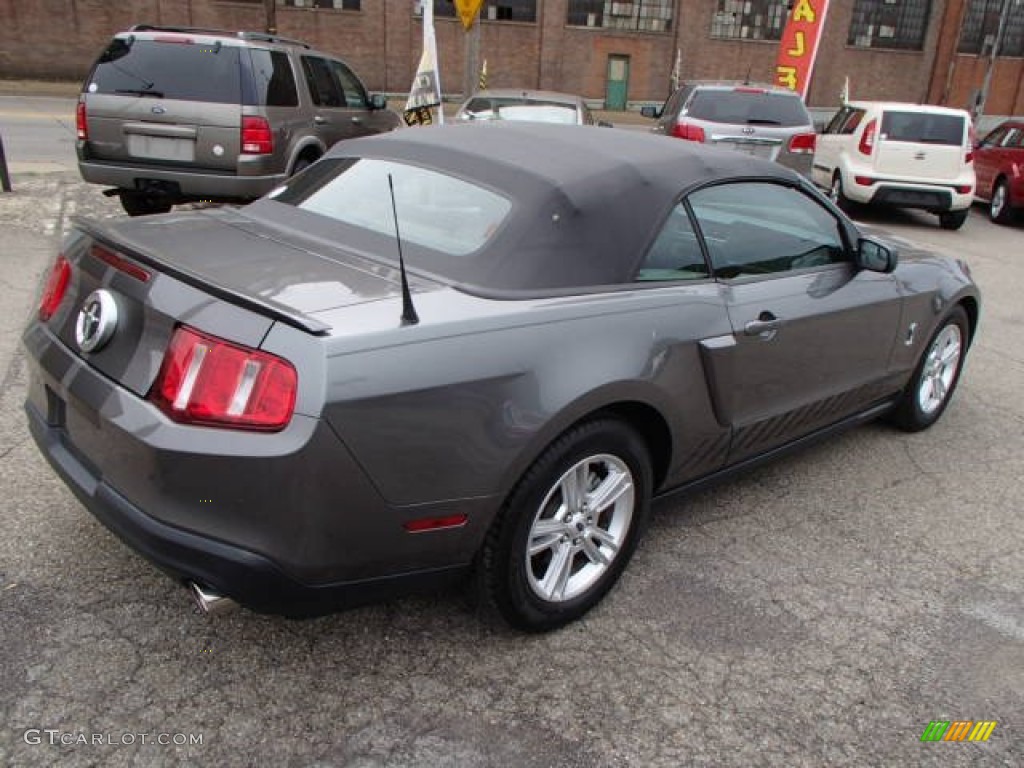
x: 287, y: 315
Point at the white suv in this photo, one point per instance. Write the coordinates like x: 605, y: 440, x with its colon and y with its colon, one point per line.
x: 901, y: 155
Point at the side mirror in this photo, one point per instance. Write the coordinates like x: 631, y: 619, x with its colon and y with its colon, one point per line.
x: 874, y: 256
x: 378, y: 101
x: 652, y: 112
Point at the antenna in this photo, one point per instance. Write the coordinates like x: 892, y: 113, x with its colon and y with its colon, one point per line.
x: 409, y: 316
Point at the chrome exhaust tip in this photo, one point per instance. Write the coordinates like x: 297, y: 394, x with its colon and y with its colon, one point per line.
x: 208, y: 602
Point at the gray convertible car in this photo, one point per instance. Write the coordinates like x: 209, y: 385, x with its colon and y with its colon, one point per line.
x: 469, y: 349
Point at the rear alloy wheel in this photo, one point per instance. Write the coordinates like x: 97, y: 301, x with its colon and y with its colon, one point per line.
x: 953, y: 219
x: 999, y: 209
x: 137, y: 204
x: 569, y: 528
x: 836, y: 194
x: 935, y: 377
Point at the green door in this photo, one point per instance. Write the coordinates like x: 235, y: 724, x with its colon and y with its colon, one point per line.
x: 618, y: 83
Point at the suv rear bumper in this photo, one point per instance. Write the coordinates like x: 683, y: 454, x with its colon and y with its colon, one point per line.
x: 192, y: 185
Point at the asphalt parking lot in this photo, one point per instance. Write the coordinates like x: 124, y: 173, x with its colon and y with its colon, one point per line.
x: 821, y: 611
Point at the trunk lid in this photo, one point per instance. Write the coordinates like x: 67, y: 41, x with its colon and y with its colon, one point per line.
x: 214, y: 270
x: 919, y: 145
x: 174, y: 99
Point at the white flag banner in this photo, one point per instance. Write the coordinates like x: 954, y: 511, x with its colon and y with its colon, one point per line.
x: 426, y: 85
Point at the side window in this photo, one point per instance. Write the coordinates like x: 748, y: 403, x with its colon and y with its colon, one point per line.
x: 275, y: 83
x: 323, y: 88
x: 676, y: 252
x: 1013, y: 137
x: 852, y: 121
x: 837, y: 120
x: 355, y: 94
x: 994, y: 138
x: 760, y: 228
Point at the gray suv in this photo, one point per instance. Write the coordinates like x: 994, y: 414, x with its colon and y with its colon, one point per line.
x: 176, y: 114
x: 762, y: 120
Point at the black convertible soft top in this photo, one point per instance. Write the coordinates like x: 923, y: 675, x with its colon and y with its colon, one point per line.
x: 587, y: 200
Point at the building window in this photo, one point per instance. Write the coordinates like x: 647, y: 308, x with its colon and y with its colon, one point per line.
x: 338, y: 5
x: 492, y: 10
x: 749, y: 19
x: 889, y: 24
x: 633, y: 15
x: 981, y: 25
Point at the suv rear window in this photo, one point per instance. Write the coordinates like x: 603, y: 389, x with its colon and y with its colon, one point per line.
x: 923, y: 127
x: 719, y: 105
x: 175, y: 69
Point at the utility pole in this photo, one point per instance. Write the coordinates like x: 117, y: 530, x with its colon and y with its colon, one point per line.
x: 270, y: 12
x: 1004, y: 14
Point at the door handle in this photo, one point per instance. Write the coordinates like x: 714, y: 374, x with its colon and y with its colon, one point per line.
x: 319, y: 119
x: 766, y: 326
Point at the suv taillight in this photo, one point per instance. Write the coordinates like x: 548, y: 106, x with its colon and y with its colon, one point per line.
x: 803, y: 143
x: 81, y: 122
x: 257, y: 139
x: 688, y: 132
x: 56, y: 287
x: 867, y: 139
x: 206, y: 380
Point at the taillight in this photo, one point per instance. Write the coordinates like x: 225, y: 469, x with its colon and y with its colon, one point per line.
x: 864, y: 181
x: 257, y: 138
x: 688, y: 132
x: 81, y: 122
x: 56, y: 287
x: 963, y: 189
x: 867, y: 139
x: 206, y: 380
x: 803, y: 143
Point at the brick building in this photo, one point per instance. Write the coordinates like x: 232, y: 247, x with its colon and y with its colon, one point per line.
x: 606, y: 50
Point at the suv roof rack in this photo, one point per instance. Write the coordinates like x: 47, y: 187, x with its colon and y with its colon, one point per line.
x: 241, y: 34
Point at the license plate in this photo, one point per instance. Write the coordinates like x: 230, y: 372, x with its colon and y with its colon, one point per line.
x: 749, y: 148
x: 161, y: 148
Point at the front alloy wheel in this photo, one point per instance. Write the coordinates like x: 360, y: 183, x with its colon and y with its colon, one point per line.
x: 936, y: 376
x: 569, y: 527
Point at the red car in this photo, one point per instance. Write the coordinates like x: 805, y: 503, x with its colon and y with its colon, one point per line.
x: 999, y: 164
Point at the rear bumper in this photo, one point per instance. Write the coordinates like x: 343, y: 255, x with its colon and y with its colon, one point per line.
x: 191, y: 185
x: 904, y: 194
x: 285, y: 523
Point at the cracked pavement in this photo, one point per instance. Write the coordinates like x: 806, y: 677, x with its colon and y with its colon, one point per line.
x: 819, y: 611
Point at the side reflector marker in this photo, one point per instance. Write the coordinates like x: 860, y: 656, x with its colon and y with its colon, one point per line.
x: 424, y: 524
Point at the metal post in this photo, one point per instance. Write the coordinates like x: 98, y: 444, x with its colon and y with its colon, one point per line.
x: 987, y: 82
x: 472, y: 73
x: 5, y: 177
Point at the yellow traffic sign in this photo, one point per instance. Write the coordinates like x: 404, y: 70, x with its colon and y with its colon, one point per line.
x: 468, y: 10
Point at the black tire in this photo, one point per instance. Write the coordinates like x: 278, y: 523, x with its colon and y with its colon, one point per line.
x: 953, y: 219
x: 609, y: 455
x: 136, y: 204
x: 836, y: 194
x: 916, y: 409
x: 999, y: 209
x: 303, y: 163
